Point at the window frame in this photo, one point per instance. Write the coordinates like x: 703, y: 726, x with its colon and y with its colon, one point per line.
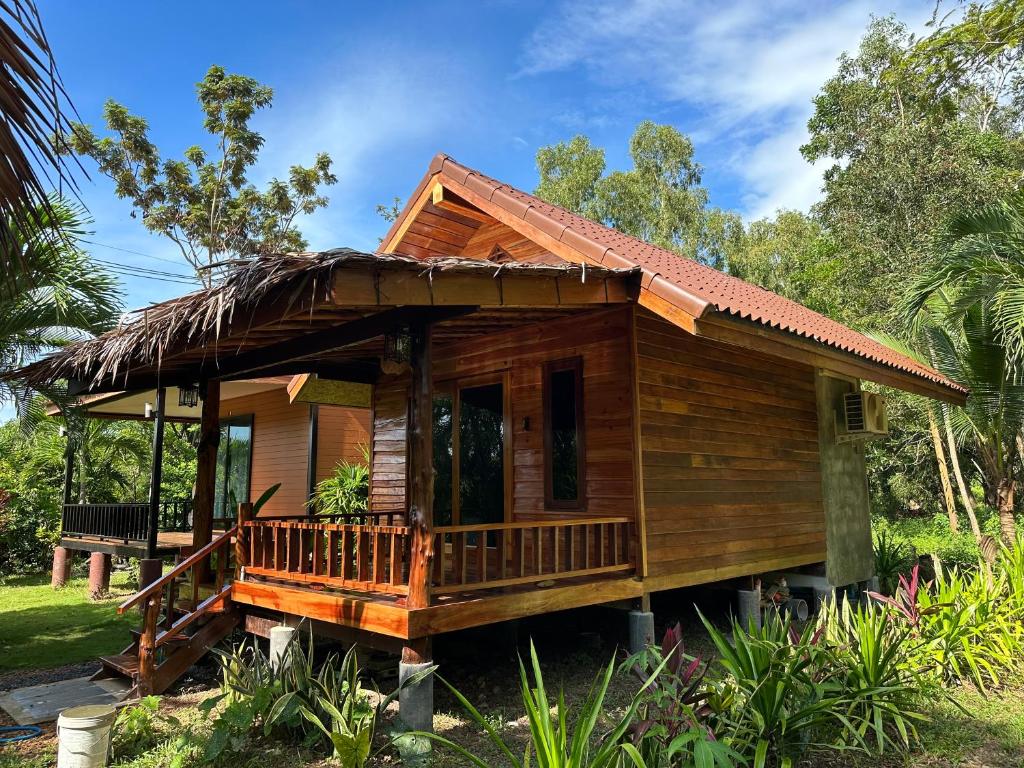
x: 579, y: 504
x: 453, y: 386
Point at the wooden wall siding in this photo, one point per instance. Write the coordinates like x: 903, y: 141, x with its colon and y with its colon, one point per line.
x: 729, y: 445
x: 518, y: 247
x: 280, y: 448
x: 341, y: 435
x: 602, y: 340
x: 388, y: 460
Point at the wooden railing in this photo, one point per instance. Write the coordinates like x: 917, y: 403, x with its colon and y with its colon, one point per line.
x: 372, y: 558
x: 375, y: 558
x: 470, y: 557
x: 214, y: 558
x: 128, y: 521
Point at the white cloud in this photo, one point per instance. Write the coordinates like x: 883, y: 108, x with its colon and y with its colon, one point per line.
x: 749, y: 69
x: 366, y: 107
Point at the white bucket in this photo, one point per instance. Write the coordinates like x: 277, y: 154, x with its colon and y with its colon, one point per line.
x: 83, y: 736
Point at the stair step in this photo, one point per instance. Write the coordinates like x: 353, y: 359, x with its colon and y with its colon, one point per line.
x: 126, y: 664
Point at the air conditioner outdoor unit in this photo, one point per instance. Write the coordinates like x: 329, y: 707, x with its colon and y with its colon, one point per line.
x: 864, y: 417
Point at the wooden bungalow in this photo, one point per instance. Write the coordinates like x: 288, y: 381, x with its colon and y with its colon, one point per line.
x: 558, y: 416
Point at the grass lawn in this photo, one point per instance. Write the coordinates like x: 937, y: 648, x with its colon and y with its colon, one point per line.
x: 45, y: 627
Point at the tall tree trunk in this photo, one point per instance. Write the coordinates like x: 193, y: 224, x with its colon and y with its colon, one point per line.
x: 965, y: 493
x: 940, y: 458
x: 1007, y: 521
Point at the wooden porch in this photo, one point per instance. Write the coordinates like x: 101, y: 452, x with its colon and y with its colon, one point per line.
x: 358, y: 575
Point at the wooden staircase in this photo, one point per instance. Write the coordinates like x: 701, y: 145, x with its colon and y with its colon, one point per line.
x: 184, y: 614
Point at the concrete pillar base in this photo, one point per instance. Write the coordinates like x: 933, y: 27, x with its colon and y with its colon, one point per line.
x: 641, y: 630
x: 280, y: 637
x: 99, y: 575
x: 749, y: 607
x: 62, y: 558
x: 416, y: 701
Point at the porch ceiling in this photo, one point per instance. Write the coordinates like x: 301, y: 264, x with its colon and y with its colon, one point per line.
x: 325, y: 313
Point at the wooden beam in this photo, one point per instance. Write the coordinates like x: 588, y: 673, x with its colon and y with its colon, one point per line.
x: 370, y: 615
x: 421, y: 468
x: 449, y: 201
x: 329, y: 340
x: 392, y: 242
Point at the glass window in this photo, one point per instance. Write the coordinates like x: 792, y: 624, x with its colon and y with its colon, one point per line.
x: 563, y: 433
x: 234, y: 466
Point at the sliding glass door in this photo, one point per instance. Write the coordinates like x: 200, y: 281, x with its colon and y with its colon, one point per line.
x: 234, y: 466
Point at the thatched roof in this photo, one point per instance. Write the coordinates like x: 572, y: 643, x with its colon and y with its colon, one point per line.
x: 257, y: 293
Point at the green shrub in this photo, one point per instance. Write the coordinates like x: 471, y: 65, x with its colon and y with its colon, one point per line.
x: 893, y: 556
x: 569, y: 738
x: 328, y: 707
x: 672, y: 727
x: 140, y: 728
x: 343, y: 493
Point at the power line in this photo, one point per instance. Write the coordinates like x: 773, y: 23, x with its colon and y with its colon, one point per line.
x: 129, y: 250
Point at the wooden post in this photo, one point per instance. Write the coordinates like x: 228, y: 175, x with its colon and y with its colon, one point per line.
x: 242, y: 539
x: 206, y: 473
x: 156, y: 475
x: 421, y: 468
x: 69, y: 468
x: 147, y: 643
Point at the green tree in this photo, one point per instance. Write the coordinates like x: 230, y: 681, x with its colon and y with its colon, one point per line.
x: 794, y: 256
x: 204, y: 203
x: 979, y: 260
x: 659, y: 200
x: 60, y: 296
x: 905, y: 152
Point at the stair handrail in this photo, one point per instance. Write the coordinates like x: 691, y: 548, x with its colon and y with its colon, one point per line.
x: 168, y: 634
x: 179, y: 569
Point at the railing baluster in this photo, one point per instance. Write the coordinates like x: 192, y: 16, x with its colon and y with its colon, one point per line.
x: 481, y: 556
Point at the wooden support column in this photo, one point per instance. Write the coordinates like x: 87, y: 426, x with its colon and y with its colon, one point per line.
x: 69, y: 468
x: 421, y: 467
x: 156, y: 474
x: 206, y: 467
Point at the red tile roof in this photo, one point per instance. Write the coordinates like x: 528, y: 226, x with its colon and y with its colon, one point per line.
x: 685, y: 283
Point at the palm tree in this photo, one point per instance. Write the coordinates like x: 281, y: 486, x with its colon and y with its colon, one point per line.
x: 979, y: 258
x: 964, y: 344
x: 979, y: 262
x: 58, y: 297
x: 32, y: 110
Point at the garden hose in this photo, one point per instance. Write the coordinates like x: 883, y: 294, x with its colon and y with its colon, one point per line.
x: 23, y: 732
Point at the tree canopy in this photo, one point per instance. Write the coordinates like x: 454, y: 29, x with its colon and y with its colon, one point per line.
x: 204, y: 202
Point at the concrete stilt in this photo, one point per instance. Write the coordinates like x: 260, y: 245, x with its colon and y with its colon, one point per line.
x: 416, y: 700
x: 749, y: 607
x: 62, y: 558
x: 641, y: 630
x: 279, y: 639
x: 99, y: 575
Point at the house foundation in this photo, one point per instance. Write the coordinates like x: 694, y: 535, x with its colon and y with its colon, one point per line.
x: 62, y: 559
x: 99, y: 575
x: 641, y: 630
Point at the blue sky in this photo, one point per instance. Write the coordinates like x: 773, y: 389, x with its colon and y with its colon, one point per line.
x: 383, y: 86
